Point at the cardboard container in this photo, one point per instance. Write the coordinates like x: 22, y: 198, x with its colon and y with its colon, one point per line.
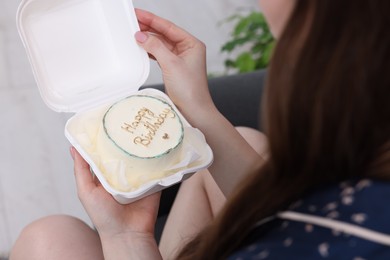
x: 84, y: 56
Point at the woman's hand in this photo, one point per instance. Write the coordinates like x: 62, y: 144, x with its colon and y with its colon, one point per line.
x: 121, y: 228
x: 182, y: 59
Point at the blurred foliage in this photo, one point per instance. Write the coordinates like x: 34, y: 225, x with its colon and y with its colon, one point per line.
x: 251, y: 39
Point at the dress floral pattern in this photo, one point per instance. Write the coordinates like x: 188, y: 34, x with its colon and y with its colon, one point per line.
x: 363, y: 203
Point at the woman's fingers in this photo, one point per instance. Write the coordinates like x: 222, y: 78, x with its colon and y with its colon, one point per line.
x: 155, y: 47
x: 156, y: 24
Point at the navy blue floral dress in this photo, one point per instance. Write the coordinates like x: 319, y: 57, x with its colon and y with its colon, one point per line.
x: 346, y: 221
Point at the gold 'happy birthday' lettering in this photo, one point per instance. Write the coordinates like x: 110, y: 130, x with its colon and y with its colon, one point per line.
x: 148, y: 120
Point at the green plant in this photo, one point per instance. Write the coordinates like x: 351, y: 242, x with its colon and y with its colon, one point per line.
x: 252, y: 40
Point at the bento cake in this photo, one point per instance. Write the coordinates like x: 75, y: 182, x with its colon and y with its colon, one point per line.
x: 143, y: 126
x: 139, y: 136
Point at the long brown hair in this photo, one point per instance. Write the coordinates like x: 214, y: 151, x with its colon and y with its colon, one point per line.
x: 326, y: 114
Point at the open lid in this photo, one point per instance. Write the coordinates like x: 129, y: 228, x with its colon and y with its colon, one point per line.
x: 82, y: 52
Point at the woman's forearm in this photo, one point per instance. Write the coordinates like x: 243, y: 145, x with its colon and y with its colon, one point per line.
x: 233, y: 156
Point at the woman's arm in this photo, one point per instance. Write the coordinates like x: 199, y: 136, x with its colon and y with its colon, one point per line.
x: 182, y: 59
x: 234, y: 158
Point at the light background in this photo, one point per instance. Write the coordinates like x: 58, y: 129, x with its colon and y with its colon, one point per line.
x: 36, y: 171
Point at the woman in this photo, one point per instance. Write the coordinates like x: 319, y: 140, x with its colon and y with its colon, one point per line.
x: 327, y: 119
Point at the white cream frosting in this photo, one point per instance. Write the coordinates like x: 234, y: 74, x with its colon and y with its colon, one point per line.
x: 143, y: 126
x: 123, y: 168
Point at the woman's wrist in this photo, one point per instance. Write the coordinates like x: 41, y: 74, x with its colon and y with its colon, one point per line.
x: 132, y: 245
x: 199, y: 113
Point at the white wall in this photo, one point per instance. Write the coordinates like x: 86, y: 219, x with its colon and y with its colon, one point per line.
x: 202, y: 19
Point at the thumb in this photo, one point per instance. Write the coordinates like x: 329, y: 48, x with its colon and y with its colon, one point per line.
x: 154, y: 46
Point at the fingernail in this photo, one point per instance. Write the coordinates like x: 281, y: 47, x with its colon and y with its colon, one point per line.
x: 141, y: 37
x: 72, y: 152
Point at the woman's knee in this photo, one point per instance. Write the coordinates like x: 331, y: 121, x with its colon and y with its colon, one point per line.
x: 58, y: 235
x: 256, y: 139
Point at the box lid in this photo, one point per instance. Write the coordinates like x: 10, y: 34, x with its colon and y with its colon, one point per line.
x: 82, y: 52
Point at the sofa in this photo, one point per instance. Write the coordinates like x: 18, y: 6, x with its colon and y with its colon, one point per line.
x: 238, y: 98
